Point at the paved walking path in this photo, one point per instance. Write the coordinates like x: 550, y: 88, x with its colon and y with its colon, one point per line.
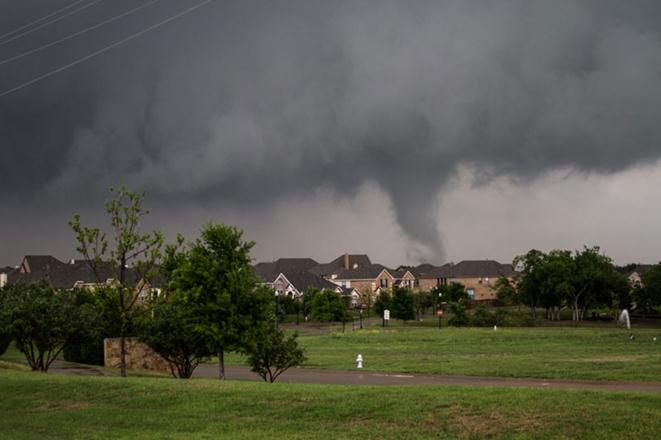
x: 306, y: 375
x: 339, y: 377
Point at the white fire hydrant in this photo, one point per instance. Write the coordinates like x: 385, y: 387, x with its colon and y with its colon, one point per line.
x: 359, y: 361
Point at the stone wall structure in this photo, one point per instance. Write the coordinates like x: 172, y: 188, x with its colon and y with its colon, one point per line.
x: 138, y: 356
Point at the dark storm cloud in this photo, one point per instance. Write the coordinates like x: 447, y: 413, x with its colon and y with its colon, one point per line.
x: 251, y: 103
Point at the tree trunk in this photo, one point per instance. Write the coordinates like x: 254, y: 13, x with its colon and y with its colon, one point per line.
x: 122, y: 353
x: 221, y: 364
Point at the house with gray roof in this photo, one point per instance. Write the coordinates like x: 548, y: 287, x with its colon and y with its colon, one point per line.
x: 477, y: 276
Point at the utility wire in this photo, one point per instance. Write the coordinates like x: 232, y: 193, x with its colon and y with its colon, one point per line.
x: 105, y: 49
x: 79, y: 33
x: 55, y: 20
x: 41, y: 19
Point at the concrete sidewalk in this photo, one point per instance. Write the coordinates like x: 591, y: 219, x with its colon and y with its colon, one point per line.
x: 336, y: 377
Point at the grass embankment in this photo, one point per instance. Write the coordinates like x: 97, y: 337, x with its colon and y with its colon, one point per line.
x: 562, y: 353
x: 35, y: 405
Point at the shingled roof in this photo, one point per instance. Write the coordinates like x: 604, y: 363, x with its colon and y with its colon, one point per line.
x: 470, y: 269
x: 62, y: 275
x: 269, y: 271
x: 340, y: 264
x: 302, y: 280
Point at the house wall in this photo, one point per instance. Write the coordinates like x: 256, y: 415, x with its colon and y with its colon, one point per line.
x: 484, y: 287
x: 427, y: 284
x: 369, y: 286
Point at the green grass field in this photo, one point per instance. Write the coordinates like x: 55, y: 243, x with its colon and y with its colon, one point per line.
x: 36, y: 405
x: 567, y: 353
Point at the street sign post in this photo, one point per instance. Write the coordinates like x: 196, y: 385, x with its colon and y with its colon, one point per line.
x: 386, y: 317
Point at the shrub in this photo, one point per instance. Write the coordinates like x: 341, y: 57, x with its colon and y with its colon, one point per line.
x: 402, y: 304
x: 273, y: 354
x: 482, y: 317
x: 459, y: 317
x: 172, y: 332
x: 42, y: 320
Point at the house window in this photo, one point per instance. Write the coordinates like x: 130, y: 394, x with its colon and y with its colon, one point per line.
x: 471, y: 292
x: 384, y: 282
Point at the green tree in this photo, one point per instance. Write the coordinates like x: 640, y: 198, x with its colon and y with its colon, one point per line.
x: 458, y: 316
x: 213, y: 275
x: 593, y: 281
x: 42, y: 320
x: 507, y: 291
x: 128, y: 258
x: 328, y: 306
x: 403, y: 304
x: 422, y: 301
x: 308, y: 299
x: 172, y: 333
x: 648, y: 296
x: 273, y: 354
x: 530, y: 279
x: 453, y: 292
x: 383, y: 302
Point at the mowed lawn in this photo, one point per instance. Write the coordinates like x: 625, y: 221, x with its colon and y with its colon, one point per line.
x: 36, y: 405
x: 567, y: 353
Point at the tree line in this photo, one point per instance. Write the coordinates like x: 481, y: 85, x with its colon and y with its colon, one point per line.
x: 211, y: 302
x: 579, y: 280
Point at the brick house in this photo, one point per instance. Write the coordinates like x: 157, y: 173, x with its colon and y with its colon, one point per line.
x: 477, y: 276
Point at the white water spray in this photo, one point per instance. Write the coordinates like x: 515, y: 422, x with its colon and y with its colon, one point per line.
x: 624, y: 319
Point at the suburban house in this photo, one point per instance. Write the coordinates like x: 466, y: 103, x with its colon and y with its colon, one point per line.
x: 76, y: 274
x: 268, y: 272
x: 477, y: 276
x: 635, y: 276
x: 293, y: 276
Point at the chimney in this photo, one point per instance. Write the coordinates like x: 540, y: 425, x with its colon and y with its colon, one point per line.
x: 346, y: 261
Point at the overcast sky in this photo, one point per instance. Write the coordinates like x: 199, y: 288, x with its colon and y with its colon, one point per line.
x: 412, y: 131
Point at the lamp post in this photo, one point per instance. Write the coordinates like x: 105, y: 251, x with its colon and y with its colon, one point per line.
x: 439, y: 312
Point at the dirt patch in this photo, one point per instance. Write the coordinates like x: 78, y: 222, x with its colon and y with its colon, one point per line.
x: 467, y: 422
x: 614, y: 358
x: 66, y: 405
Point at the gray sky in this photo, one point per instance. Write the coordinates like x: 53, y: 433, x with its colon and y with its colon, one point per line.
x: 424, y: 130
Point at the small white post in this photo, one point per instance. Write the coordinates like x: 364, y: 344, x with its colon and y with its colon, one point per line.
x: 359, y: 361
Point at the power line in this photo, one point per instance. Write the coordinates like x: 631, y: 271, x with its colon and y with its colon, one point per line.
x: 79, y: 33
x: 55, y: 20
x: 41, y: 19
x: 105, y: 49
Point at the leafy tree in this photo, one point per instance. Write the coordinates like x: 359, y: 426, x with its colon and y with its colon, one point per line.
x: 213, y: 275
x: 403, y: 304
x: 482, y: 317
x: 422, y: 301
x: 43, y: 320
x: 273, y: 354
x: 172, y: 333
x: 593, y: 276
x: 530, y: 280
x: 308, y: 299
x: 87, y: 347
x: 383, y: 302
x: 649, y: 295
x: 286, y: 305
x: 507, y: 291
x: 132, y: 256
x: 458, y: 316
x: 328, y: 306
x: 453, y: 292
